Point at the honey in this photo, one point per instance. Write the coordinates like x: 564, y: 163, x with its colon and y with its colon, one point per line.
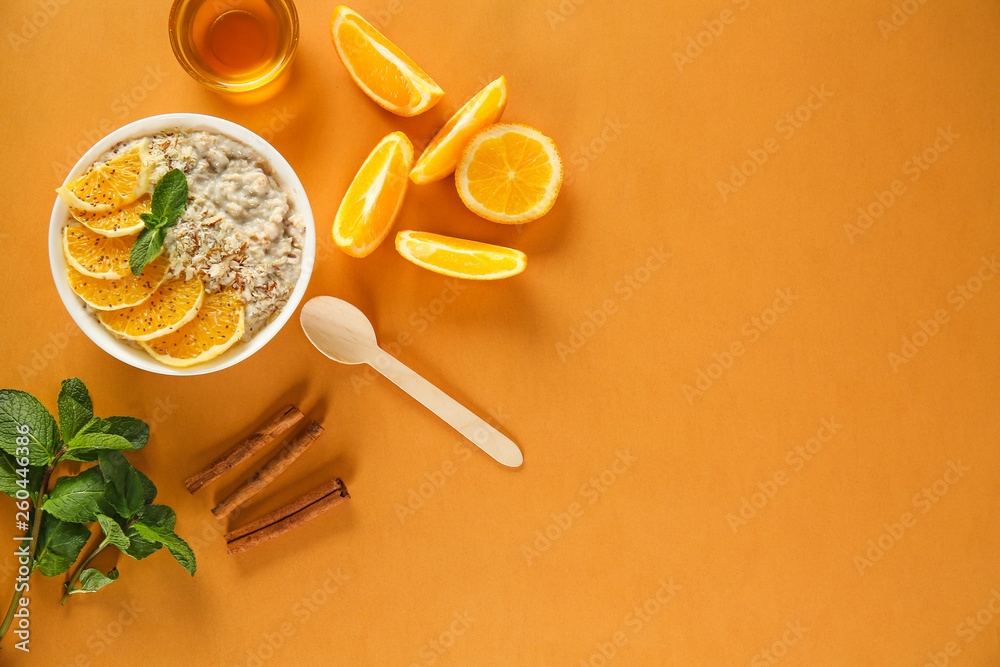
x: 234, y: 44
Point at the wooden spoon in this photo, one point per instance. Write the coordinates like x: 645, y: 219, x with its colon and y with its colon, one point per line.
x: 343, y: 333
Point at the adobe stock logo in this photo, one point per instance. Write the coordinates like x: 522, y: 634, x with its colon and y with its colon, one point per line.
x: 270, y: 643
x: 562, y: 11
x: 128, y: 101
x: 437, y: 647
x: 635, y: 620
x: 786, y: 127
x: 914, y: 168
x: 49, y: 350
x: 418, y: 496
x: 624, y: 288
x: 924, y: 500
x: 969, y: 629
x: 696, y: 44
x: 34, y: 21
x: 779, y: 648
x: 752, y: 330
x: 586, y: 154
x: 593, y: 490
x: 957, y: 298
x: 899, y: 17
x: 795, y: 459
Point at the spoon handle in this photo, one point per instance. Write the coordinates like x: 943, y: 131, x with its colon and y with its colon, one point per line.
x: 456, y: 415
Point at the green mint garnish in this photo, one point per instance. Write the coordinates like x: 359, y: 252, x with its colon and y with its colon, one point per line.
x: 111, y: 500
x: 169, y: 201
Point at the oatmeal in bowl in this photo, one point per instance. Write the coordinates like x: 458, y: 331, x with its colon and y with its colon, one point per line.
x: 181, y: 243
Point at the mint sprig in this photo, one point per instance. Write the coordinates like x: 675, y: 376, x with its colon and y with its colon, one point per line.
x: 169, y: 201
x: 112, y: 493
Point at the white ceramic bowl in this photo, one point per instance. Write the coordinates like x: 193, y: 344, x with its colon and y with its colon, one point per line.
x: 148, y: 126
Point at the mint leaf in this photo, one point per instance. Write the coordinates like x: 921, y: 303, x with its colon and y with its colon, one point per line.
x: 139, y: 547
x: 113, y: 533
x: 182, y: 553
x: 177, y: 547
x: 169, y: 201
x: 155, y: 524
x: 98, y: 441
x: 23, y: 416
x: 145, y: 249
x: 134, y: 430
x: 87, y: 447
x: 11, y: 480
x: 93, y: 425
x: 78, y: 499
x: 148, y: 488
x: 75, y: 408
x: 170, y: 197
x: 92, y: 580
x: 124, y: 491
x: 159, y: 515
x: 59, y: 545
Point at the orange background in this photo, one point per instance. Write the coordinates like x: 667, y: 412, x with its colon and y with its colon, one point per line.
x: 584, y: 356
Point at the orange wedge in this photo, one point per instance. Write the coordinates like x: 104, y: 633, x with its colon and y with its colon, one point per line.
x: 509, y: 173
x: 169, y: 308
x: 442, y: 154
x: 112, y: 184
x: 459, y: 258
x: 218, y: 324
x: 381, y: 70
x: 95, y: 255
x: 374, y: 198
x: 122, y: 221
x: 110, y: 295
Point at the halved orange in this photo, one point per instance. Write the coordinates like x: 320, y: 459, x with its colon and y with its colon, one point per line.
x: 374, y: 197
x: 380, y: 68
x: 111, y: 295
x: 112, y: 184
x: 509, y: 173
x: 169, y: 308
x: 95, y: 255
x: 441, y: 155
x: 218, y: 324
x: 460, y: 258
x: 119, y: 222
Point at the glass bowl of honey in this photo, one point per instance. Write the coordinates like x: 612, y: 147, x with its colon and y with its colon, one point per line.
x: 234, y: 45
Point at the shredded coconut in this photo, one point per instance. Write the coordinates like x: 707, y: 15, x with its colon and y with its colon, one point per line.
x: 240, y: 228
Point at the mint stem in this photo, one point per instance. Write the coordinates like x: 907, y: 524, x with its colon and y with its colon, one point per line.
x: 71, y: 584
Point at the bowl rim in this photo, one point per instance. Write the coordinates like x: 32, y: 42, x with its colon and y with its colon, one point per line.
x: 147, y: 127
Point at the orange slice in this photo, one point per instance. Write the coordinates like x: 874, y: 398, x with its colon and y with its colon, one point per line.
x: 442, y: 154
x: 110, y: 295
x: 112, y: 184
x: 459, y: 258
x: 374, y: 198
x: 119, y: 222
x: 95, y: 255
x: 169, y: 308
x: 381, y: 70
x: 509, y: 173
x: 218, y: 324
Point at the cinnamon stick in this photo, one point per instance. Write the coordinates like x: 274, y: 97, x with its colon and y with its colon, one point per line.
x: 266, y: 474
x: 293, y: 514
x: 263, y: 435
x: 307, y: 499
